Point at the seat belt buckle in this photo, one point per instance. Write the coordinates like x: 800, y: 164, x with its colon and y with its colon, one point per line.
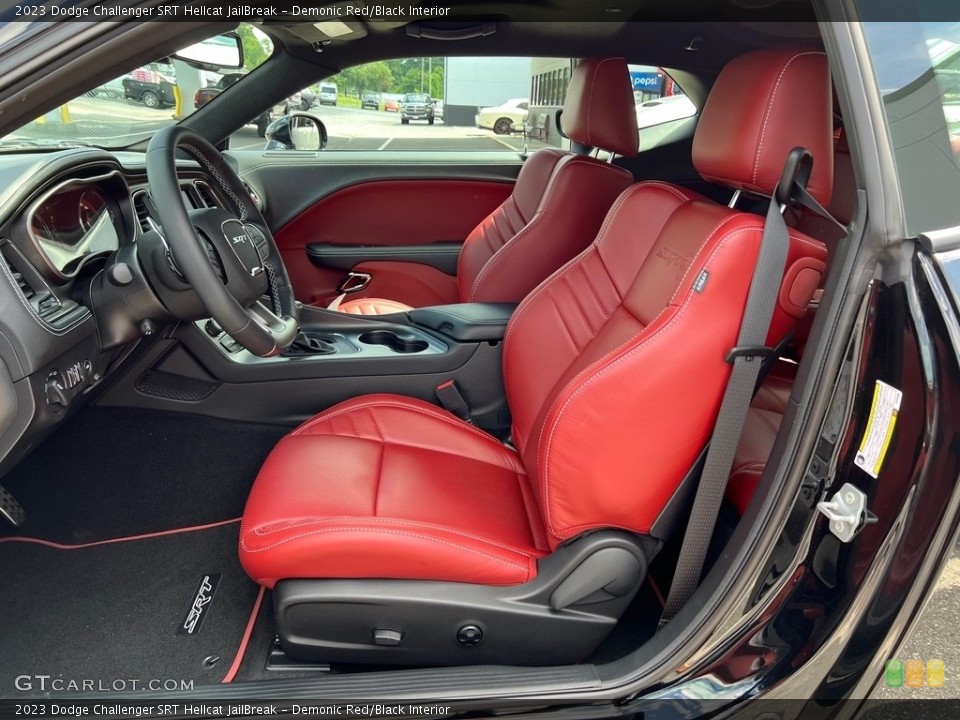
x: 452, y: 400
x: 750, y: 352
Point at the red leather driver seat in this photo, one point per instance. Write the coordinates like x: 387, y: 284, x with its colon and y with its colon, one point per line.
x: 557, y: 204
x: 394, y: 532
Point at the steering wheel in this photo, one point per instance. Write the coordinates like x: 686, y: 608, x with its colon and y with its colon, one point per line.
x: 245, y: 264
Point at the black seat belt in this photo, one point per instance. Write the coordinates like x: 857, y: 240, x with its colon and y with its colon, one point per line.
x: 747, y: 358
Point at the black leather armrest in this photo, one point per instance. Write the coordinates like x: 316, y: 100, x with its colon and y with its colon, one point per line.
x: 470, y: 322
x: 442, y: 255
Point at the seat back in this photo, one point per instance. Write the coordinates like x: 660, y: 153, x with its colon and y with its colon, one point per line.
x: 560, y: 199
x: 615, y: 367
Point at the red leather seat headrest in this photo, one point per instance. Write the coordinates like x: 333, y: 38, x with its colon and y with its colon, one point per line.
x: 762, y: 105
x: 599, y: 110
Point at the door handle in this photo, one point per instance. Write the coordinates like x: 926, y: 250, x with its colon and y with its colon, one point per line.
x: 354, y: 282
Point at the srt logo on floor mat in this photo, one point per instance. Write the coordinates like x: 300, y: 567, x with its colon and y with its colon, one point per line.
x: 202, y: 599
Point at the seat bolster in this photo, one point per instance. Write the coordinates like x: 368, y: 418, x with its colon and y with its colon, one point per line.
x: 407, y: 421
x: 371, y: 306
x: 370, y: 547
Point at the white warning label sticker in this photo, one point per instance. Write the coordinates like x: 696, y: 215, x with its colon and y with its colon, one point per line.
x: 876, y: 438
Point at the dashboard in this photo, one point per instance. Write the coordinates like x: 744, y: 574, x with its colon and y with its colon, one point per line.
x: 81, y: 276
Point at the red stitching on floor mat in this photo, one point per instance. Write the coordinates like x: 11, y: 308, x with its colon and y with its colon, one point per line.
x: 128, y: 538
x: 241, y: 651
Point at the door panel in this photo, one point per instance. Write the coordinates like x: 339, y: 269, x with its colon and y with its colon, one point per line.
x: 369, y: 199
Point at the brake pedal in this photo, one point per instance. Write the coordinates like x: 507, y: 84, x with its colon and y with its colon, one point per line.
x: 11, y: 509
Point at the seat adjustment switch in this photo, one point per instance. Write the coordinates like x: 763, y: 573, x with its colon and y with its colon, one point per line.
x: 469, y: 635
x: 382, y: 636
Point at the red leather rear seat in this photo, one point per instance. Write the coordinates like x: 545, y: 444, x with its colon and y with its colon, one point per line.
x: 768, y: 407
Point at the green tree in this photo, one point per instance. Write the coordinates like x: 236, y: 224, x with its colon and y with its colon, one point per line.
x: 410, y: 75
x: 372, y: 77
x: 256, y: 46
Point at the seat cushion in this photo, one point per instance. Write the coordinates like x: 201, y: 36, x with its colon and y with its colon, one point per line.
x: 370, y: 306
x: 386, y: 486
x: 759, y: 433
x: 774, y: 393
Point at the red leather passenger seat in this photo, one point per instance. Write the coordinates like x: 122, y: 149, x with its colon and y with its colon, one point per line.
x: 558, y: 202
x: 614, y: 371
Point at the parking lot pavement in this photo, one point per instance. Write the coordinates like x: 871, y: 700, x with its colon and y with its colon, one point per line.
x: 936, y: 636
x: 485, y: 141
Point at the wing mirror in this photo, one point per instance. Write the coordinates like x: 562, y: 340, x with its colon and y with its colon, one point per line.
x: 297, y: 131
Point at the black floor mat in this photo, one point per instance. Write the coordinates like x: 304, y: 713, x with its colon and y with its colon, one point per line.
x: 635, y: 627
x: 111, y: 612
x: 120, y: 471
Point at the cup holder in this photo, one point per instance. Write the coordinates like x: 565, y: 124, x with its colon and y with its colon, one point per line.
x: 393, y: 341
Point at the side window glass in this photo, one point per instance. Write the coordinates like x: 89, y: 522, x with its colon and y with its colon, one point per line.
x: 457, y: 104
x: 917, y: 69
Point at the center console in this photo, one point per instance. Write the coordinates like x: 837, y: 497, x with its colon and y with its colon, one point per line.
x: 336, y: 356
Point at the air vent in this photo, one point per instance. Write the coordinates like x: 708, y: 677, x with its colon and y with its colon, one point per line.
x: 143, y: 214
x: 28, y: 292
x: 206, y: 194
x: 190, y: 197
x: 33, y: 289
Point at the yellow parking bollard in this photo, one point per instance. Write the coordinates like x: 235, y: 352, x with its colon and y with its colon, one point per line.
x: 177, y: 103
x: 65, y: 115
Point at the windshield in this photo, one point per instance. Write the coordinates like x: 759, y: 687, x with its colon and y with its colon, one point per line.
x: 416, y: 98
x: 133, y: 106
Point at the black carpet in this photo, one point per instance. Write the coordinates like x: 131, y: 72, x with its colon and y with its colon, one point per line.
x: 637, y: 625
x: 121, y: 471
x: 112, y: 612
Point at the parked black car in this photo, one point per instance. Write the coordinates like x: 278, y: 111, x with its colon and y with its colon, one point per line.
x: 152, y: 85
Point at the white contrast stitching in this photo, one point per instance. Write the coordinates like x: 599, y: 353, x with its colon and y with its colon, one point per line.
x: 397, y: 404
x: 766, y: 116
x: 474, y: 551
x: 393, y: 521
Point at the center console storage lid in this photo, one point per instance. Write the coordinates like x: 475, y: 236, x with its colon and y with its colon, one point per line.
x: 467, y: 322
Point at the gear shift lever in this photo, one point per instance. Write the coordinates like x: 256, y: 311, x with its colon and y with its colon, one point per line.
x: 305, y: 344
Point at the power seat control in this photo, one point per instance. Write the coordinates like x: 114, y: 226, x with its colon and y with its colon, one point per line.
x: 384, y: 636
